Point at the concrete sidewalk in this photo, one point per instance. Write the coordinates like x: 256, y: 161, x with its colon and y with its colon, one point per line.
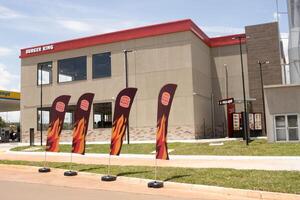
x: 88, y: 181
x: 234, y: 162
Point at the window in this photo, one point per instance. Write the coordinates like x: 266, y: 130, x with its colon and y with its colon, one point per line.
x: 286, y: 127
x: 44, y: 117
x: 72, y: 69
x: 101, y: 65
x: 69, y: 118
x: 44, y: 73
x: 102, y: 115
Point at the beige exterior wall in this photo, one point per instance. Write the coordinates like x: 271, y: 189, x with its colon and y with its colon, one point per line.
x: 201, y: 76
x: 229, y: 55
x: 154, y: 62
x: 280, y: 99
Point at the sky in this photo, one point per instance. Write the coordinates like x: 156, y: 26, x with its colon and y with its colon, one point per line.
x: 26, y: 23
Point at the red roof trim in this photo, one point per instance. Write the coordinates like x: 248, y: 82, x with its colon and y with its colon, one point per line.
x: 129, y: 34
x: 227, y: 40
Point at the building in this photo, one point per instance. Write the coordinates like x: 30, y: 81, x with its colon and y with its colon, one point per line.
x: 205, y: 69
x: 282, y: 101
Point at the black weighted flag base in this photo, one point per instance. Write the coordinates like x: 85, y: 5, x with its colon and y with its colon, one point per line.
x: 155, y: 184
x: 44, y: 170
x: 108, y: 178
x: 70, y: 173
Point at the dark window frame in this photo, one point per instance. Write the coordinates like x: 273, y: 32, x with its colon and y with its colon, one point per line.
x: 70, y: 109
x: 97, y: 54
x: 108, y: 125
x: 37, y: 73
x: 58, y: 69
x: 37, y: 121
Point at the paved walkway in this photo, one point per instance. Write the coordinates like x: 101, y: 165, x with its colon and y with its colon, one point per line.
x: 234, y: 162
x: 24, y: 182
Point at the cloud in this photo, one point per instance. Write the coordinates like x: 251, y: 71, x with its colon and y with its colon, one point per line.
x: 8, y: 80
x: 5, y: 51
x: 221, y: 30
x: 96, y: 26
x: 7, y: 13
x: 78, y: 26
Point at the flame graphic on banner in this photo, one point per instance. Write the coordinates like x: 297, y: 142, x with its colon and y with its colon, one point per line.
x: 161, y: 140
x: 78, y: 137
x: 53, y: 136
x: 117, y: 135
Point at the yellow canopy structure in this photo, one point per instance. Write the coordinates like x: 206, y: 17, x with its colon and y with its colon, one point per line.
x: 9, y: 101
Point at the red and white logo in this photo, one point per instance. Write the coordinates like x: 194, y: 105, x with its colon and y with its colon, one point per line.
x: 165, y: 98
x: 84, y: 105
x: 60, y: 106
x: 125, y: 101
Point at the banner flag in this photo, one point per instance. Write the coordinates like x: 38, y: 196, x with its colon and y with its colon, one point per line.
x: 122, y: 109
x: 57, y: 116
x: 165, y: 99
x: 82, y: 115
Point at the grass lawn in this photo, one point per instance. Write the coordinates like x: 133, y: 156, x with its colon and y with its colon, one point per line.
x: 236, y: 148
x: 274, y: 181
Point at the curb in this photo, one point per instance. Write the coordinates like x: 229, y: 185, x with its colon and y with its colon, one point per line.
x: 203, y: 190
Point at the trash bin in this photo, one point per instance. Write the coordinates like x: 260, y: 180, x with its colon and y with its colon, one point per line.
x: 31, y: 136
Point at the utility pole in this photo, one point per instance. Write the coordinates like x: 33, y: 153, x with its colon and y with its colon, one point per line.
x: 262, y: 91
x: 126, y: 85
x: 41, y: 116
x: 245, y: 116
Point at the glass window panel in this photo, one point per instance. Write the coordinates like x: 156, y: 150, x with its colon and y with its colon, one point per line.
x: 69, y: 118
x: 44, y: 116
x: 72, y: 69
x: 102, y: 65
x: 281, y: 135
x: 293, y: 134
x: 102, y: 115
x: 292, y: 121
x: 280, y: 121
x: 44, y: 74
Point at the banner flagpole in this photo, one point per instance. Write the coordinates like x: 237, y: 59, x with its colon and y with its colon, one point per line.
x: 82, y: 114
x: 108, y: 167
x: 165, y: 99
x: 57, y: 117
x: 108, y: 176
x: 45, y: 169
x: 123, y: 105
x: 155, y: 169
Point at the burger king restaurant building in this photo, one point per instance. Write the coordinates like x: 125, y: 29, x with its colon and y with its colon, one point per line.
x: 205, y: 69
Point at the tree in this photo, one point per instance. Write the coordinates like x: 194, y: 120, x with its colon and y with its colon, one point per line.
x: 2, y: 123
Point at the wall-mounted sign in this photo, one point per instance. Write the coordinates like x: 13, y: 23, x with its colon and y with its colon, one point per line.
x: 39, y: 49
x: 254, y: 121
x: 251, y: 121
x: 226, y: 101
x: 236, y: 121
x: 257, y: 118
x: 9, y: 95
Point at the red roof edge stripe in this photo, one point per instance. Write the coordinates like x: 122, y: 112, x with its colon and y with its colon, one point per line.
x: 227, y: 40
x: 135, y: 33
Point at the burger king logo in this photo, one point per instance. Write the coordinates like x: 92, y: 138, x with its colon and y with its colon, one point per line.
x: 84, y: 105
x: 125, y: 101
x: 165, y: 98
x: 60, y: 106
